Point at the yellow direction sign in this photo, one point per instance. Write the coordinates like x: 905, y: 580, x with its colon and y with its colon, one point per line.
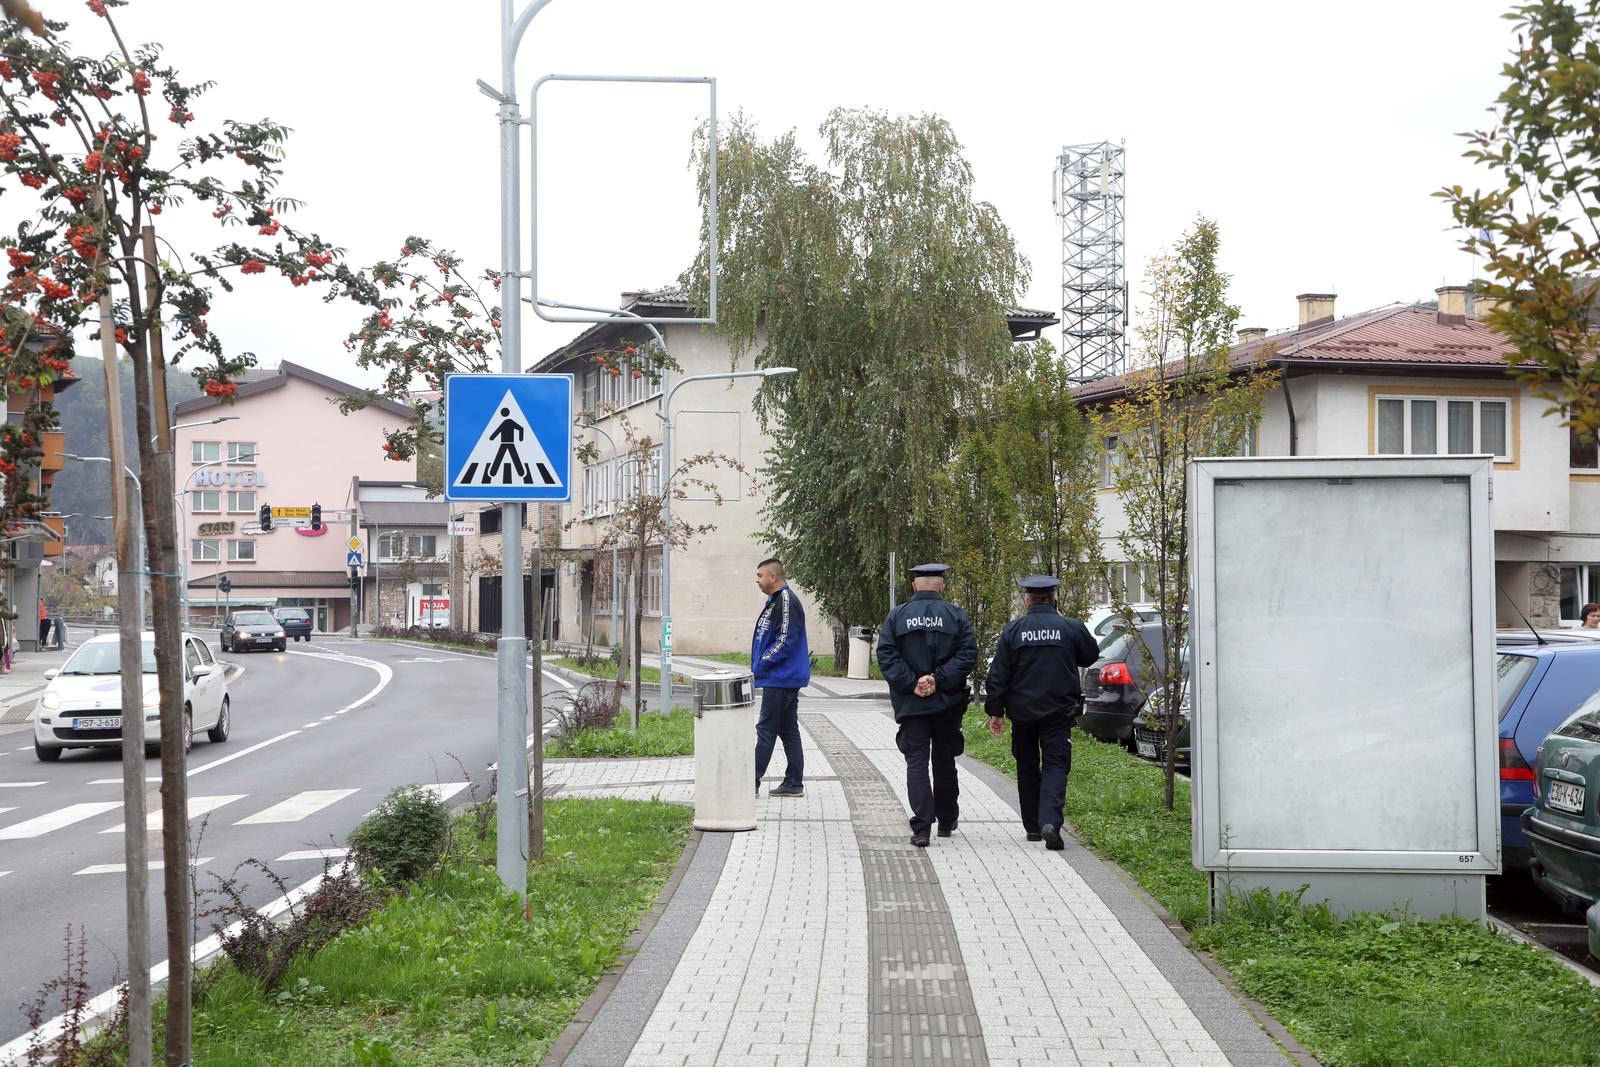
x: 291, y: 513
x: 354, y: 544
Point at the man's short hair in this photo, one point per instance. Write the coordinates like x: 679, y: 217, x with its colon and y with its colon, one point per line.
x: 772, y: 561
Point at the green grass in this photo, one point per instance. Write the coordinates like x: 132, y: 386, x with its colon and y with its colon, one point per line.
x: 822, y: 665
x: 604, y: 667
x: 659, y: 735
x: 451, y: 972
x: 1368, y: 991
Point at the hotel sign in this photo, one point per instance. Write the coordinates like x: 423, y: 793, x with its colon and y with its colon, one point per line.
x: 215, y: 529
x: 231, y: 479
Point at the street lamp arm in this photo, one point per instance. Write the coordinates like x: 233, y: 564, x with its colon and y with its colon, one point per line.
x: 619, y: 312
x: 105, y: 459
x: 508, y: 63
x: 681, y: 382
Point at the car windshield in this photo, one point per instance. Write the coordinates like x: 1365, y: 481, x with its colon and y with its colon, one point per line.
x: 1510, y: 671
x: 105, y: 657
x: 254, y: 618
x: 1115, y: 645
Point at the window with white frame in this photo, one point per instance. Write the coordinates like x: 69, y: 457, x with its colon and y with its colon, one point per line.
x: 1110, y: 460
x: 1250, y: 443
x: 638, y: 384
x: 1443, y: 426
x: 207, y: 451
x: 652, y: 582
x: 397, y: 545
x: 1583, y: 455
x: 241, y: 551
x: 205, y: 500
x: 591, y: 389
x: 204, y: 551
x: 244, y: 503
x: 1580, y: 585
x: 597, y: 489
x: 241, y: 453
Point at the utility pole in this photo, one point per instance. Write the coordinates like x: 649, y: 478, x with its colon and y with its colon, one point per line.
x: 536, y: 786
x: 355, y: 578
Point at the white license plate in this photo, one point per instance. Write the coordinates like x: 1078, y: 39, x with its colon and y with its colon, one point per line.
x: 1146, y: 749
x: 1564, y: 796
x: 98, y: 722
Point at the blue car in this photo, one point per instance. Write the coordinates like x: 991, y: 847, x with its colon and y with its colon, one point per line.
x: 1539, y: 681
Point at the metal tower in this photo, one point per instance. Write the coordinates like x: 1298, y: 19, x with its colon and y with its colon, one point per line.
x: 1088, y: 198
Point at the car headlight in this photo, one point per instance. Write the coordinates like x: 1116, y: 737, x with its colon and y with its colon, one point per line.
x: 152, y: 698
x: 51, y: 701
x: 277, y: 633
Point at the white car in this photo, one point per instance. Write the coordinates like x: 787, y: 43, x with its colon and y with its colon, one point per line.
x: 1104, y: 619
x: 81, y: 707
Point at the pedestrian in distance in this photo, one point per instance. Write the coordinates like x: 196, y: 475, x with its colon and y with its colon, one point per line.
x: 926, y: 651
x: 1590, y: 616
x: 781, y: 662
x: 1034, y: 681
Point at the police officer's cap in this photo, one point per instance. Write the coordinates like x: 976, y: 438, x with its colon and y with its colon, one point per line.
x: 929, y: 570
x: 1039, y: 583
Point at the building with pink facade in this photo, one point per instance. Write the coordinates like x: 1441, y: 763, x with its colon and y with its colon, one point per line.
x: 285, y: 444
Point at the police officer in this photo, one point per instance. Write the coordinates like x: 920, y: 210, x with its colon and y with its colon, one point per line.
x: 926, y: 650
x: 1034, y: 680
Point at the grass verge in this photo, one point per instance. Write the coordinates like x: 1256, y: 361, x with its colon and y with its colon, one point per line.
x: 451, y: 972
x: 1367, y: 991
x: 604, y: 667
x: 658, y: 735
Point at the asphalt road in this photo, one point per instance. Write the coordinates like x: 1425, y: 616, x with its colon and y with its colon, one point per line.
x: 321, y: 733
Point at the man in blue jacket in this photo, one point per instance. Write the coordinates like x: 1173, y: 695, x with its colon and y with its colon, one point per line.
x: 781, y: 661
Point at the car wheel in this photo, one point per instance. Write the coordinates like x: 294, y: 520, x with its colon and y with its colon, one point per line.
x: 281, y: 645
x: 223, y: 643
x: 219, y: 732
x: 46, y: 755
x: 188, y: 730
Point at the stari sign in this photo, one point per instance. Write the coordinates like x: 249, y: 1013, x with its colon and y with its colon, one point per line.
x: 237, y: 479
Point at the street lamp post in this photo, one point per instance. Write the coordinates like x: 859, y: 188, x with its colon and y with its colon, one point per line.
x: 138, y: 489
x: 202, y: 422
x: 666, y: 514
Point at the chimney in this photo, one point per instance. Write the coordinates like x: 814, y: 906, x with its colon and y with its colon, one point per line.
x: 1452, y: 305
x: 1315, y: 309
x: 1251, y: 334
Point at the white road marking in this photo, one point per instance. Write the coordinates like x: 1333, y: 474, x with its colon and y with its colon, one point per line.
x: 558, y: 679
x: 445, y: 790
x: 4, y: 873
x: 29, y: 748
x: 384, y: 671
x: 118, y: 781
x: 325, y: 718
x: 297, y: 807
x: 20, y: 785
x: 4, y: 810
x: 55, y: 820
x: 242, y: 752
x: 314, y: 854
x: 119, y: 868
x: 198, y: 806
x: 311, y: 726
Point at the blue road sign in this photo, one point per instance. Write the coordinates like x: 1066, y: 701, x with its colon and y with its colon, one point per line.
x: 352, y: 559
x: 508, y: 437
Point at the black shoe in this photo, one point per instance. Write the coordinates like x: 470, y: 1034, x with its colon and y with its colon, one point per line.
x: 1034, y: 835
x: 946, y: 827
x: 1052, y: 838
x: 920, y: 839
x: 787, y: 791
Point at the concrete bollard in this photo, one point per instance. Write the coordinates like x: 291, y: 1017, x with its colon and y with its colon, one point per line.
x: 724, y: 751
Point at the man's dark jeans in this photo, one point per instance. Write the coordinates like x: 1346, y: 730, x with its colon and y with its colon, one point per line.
x: 780, y: 718
x: 937, y: 736
x: 1042, y: 790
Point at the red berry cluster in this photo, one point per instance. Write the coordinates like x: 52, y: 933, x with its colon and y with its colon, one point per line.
x: 54, y: 290
x: 9, y: 143
x: 98, y: 7
x: 318, y: 259
x: 78, y: 237
x: 269, y: 229
x: 141, y: 83
x: 222, y: 210
x: 297, y: 280
x: 122, y: 336
x: 33, y: 181
x: 20, y: 260
x: 181, y: 117
x: 46, y: 80
x: 7, y: 467
x: 384, y: 321
x: 75, y: 193
x: 155, y: 208
x: 252, y: 266
x: 218, y: 388
x: 6, y: 72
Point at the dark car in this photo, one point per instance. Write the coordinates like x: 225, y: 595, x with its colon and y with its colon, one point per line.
x: 295, y: 622
x: 1150, y: 728
x: 1116, y: 686
x: 1540, y: 680
x: 244, y: 630
x: 1563, y: 826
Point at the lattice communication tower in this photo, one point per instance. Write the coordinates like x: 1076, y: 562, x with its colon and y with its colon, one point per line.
x: 1088, y: 197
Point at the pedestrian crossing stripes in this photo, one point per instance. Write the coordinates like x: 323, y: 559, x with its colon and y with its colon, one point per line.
x: 198, y: 806
x: 4, y: 810
x: 445, y: 790
x: 313, y: 854
x: 120, y: 868
x: 18, y: 785
x: 55, y: 820
x: 297, y: 807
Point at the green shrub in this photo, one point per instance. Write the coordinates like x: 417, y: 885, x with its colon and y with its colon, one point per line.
x: 405, y: 837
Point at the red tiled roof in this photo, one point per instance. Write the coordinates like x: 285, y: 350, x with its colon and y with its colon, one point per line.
x: 1404, y: 335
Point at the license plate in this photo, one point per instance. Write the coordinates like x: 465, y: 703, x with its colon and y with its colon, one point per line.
x: 1147, y: 749
x: 1564, y: 796
x: 98, y: 722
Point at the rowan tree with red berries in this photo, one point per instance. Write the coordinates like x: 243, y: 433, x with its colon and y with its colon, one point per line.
x: 96, y: 144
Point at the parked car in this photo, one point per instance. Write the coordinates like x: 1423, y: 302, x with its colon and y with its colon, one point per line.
x: 1563, y: 826
x: 1539, y: 681
x: 435, y: 619
x: 244, y: 630
x: 1115, y: 687
x: 81, y: 706
x: 1150, y: 727
x: 295, y: 622
x: 1106, y: 619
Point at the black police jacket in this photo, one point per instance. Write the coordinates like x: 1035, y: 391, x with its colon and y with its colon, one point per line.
x: 1034, y: 675
x: 927, y: 635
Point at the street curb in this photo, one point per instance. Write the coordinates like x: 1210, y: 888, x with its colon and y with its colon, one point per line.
x: 589, y: 1010
x: 1269, y: 1024
x: 1503, y: 927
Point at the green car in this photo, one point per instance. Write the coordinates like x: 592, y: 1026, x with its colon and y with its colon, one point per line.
x: 1563, y: 826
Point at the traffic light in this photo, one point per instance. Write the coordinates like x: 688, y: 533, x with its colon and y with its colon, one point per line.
x: 316, y: 516
x: 225, y: 585
x: 355, y: 578
x: 266, y: 518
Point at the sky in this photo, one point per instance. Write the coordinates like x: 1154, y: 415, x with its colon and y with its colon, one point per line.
x: 1313, y: 133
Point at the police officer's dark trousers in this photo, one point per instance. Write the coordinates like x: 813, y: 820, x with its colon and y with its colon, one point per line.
x: 1044, y: 756
x: 937, y: 736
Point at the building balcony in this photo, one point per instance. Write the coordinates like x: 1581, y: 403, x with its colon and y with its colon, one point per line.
x: 54, y: 444
x: 56, y: 546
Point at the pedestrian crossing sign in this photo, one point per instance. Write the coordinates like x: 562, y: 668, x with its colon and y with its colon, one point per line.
x: 508, y: 437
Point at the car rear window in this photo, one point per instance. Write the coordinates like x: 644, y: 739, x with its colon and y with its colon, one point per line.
x: 1510, y: 672
x: 296, y: 614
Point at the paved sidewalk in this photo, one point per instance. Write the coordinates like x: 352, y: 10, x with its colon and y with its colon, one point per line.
x: 824, y: 939
x: 21, y: 686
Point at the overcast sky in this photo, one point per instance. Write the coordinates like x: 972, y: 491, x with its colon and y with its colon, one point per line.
x: 1314, y: 133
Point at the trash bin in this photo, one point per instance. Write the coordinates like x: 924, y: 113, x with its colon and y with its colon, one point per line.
x: 860, y: 653
x: 724, y: 751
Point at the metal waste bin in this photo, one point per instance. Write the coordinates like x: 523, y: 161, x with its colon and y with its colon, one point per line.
x: 860, y: 653
x: 724, y: 751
